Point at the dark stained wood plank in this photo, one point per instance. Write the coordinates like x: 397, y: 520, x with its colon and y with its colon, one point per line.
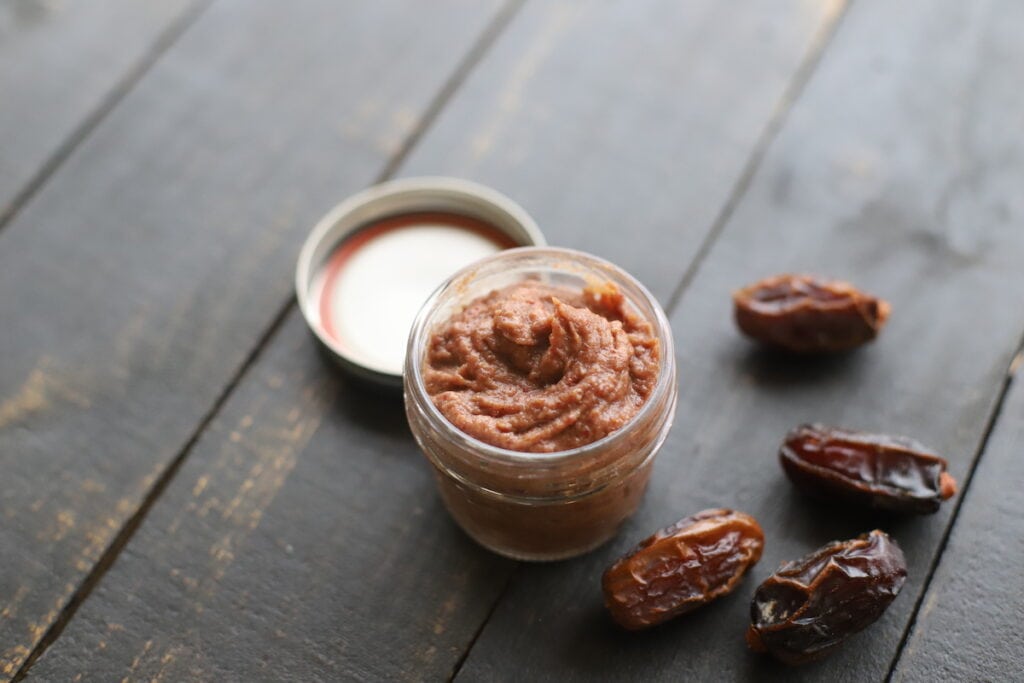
x: 60, y: 64
x: 137, y: 282
x: 343, y: 563
x: 895, y: 169
x: 969, y: 626
x: 301, y: 540
x: 626, y: 126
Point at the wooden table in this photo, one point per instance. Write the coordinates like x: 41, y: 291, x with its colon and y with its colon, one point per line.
x: 189, y: 492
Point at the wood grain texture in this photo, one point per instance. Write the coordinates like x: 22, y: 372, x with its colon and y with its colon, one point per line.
x: 59, y: 63
x: 352, y: 568
x: 894, y: 170
x: 624, y: 127
x: 969, y: 627
x: 136, y: 283
x: 301, y: 540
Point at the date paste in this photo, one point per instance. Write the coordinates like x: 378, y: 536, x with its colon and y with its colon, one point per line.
x: 538, y: 368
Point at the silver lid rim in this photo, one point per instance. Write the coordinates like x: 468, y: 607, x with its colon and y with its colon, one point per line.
x: 306, y: 265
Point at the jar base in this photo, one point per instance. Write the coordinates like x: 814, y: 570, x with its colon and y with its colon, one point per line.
x: 522, y: 556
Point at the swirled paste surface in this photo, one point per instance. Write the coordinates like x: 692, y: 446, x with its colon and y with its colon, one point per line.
x: 538, y: 368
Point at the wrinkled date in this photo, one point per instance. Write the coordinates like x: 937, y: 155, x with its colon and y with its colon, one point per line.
x: 872, y: 470
x: 682, y: 567
x: 805, y: 314
x: 809, y: 606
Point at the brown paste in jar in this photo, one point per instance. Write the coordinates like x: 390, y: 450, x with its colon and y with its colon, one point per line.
x: 537, y: 368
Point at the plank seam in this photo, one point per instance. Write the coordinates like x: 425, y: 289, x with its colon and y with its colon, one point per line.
x: 1016, y: 361
x: 476, y: 52
x: 111, y: 553
x: 163, y: 42
x: 448, y: 90
x: 480, y: 629
x: 790, y: 95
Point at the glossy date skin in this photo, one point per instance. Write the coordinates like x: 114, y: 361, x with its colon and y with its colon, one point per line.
x: 806, y: 314
x: 682, y: 567
x: 810, y: 606
x: 874, y: 471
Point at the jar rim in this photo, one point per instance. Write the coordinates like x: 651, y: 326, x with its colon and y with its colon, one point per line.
x: 666, y: 362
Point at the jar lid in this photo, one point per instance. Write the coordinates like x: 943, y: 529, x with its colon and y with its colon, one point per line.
x: 370, y: 263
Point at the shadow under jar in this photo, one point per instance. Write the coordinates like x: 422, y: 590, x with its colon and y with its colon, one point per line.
x: 559, y: 503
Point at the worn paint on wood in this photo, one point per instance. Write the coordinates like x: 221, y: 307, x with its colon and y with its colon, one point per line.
x: 625, y: 127
x: 302, y: 535
x: 139, y: 279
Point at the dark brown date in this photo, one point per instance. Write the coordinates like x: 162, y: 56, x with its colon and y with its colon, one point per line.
x: 871, y: 470
x: 805, y: 314
x: 682, y: 567
x: 810, y: 606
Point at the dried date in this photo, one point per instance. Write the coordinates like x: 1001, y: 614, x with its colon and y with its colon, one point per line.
x: 682, y: 567
x: 872, y: 470
x: 810, y: 606
x: 805, y: 314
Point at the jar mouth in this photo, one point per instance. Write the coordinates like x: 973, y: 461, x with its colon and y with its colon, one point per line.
x: 558, y: 259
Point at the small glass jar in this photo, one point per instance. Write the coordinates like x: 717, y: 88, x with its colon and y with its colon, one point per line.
x: 539, y: 506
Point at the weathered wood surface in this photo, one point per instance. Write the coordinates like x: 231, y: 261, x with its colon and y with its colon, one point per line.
x: 139, y: 279
x: 969, y: 627
x: 895, y: 170
x: 626, y: 127
x: 61, y: 63
x: 303, y: 538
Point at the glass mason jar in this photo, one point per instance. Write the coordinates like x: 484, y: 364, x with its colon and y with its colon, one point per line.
x: 539, y: 506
